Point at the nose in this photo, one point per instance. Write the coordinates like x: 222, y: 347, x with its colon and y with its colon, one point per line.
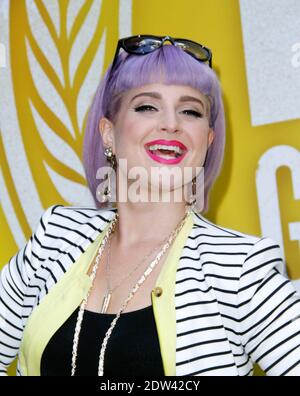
x: 169, y: 122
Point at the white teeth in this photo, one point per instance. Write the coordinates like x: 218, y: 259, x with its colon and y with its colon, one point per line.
x: 165, y: 147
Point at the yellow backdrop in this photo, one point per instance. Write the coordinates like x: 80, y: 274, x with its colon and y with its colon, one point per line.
x: 215, y: 23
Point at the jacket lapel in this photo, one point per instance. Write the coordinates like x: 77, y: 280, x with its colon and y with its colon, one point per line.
x: 200, y: 336
x: 64, y: 254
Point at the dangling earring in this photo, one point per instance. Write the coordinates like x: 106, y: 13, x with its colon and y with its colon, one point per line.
x: 193, y: 197
x: 110, y: 157
x: 106, y: 194
x: 195, y: 193
x: 196, y: 197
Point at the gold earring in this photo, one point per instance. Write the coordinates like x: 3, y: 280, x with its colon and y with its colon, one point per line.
x: 110, y: 156
x: 106, y: 194
x: 193, y: 197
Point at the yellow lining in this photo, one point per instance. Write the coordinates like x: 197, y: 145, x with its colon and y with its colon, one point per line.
x: 66, y: 295
x: 164, y: 306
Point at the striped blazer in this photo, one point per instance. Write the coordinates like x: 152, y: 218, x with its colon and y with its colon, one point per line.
x: 232, y: 305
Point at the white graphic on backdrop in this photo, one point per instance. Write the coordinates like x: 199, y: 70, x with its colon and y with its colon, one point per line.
x: 2, y: 55
x: 72, y: 192
x: 14, y: 149
x: 296, y: 55
x: 4, y: 9
x: 267, y: 192
x: 270, y: 29
x: 42, y: 35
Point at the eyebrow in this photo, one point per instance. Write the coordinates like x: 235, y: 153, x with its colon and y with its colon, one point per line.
x: 156, y: 95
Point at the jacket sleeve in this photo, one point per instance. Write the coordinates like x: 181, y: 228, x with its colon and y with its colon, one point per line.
x: 14, y: 279
x: 269, y: 311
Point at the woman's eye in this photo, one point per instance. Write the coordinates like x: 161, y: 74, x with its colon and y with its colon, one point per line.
x: 145, y: 108
x: 193, y: 113
x: 150, y: 108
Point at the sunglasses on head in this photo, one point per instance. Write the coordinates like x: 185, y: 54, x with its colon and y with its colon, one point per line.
x: 145, y: 44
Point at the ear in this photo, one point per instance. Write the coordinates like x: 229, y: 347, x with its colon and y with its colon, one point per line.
x: 211, y: 136
x: 106, y: 129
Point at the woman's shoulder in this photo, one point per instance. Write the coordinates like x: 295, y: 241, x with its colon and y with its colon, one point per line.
x: 63, y: 226
x: 85, y: 210
x: 245, y: 255
x: 236, y: 244
x: 65, y: 231
x: 216, y: 230
x: 80, y: 215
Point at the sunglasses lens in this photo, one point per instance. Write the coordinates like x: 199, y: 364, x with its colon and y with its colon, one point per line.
x: 141, y: 45
x: 194, y: 49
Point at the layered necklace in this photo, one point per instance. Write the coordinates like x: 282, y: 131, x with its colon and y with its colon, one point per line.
x: 107, y: 297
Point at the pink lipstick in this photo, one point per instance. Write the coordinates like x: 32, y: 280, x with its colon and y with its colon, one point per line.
x: 166, y: 151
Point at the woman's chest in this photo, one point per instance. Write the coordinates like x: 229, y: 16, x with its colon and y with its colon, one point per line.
x: 118, y: 273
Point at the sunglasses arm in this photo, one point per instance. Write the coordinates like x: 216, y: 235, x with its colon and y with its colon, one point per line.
x: 117, y: 53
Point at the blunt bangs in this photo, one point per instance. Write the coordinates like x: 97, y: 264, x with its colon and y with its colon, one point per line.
x: 169, y: 65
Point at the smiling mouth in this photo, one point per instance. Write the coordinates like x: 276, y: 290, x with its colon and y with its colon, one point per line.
x: 166, y: 151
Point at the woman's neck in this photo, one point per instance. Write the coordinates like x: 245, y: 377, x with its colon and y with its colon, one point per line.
x: 147, y: 222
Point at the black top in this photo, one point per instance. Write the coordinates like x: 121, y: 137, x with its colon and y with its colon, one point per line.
x: 132, y: 349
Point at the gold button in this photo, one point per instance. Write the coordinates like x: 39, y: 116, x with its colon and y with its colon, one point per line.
x: 157, y: 291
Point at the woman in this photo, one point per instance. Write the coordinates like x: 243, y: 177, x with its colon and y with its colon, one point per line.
x: 145, y: 286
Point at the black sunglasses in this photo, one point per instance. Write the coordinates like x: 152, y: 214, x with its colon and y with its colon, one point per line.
x: 144, y: 44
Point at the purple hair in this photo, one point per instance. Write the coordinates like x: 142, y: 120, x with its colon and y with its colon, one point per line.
x: 168, y: 65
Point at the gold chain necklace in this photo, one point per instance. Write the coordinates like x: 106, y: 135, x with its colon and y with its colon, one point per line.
x: 147, y: 272
x: 109, y: 292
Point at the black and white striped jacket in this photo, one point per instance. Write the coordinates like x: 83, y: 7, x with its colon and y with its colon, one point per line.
x: 232, y: 304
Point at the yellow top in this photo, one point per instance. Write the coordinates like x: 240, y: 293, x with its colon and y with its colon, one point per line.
x: 67, y: 294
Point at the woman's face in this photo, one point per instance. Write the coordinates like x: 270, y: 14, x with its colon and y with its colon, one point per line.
x: 160, y: 125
